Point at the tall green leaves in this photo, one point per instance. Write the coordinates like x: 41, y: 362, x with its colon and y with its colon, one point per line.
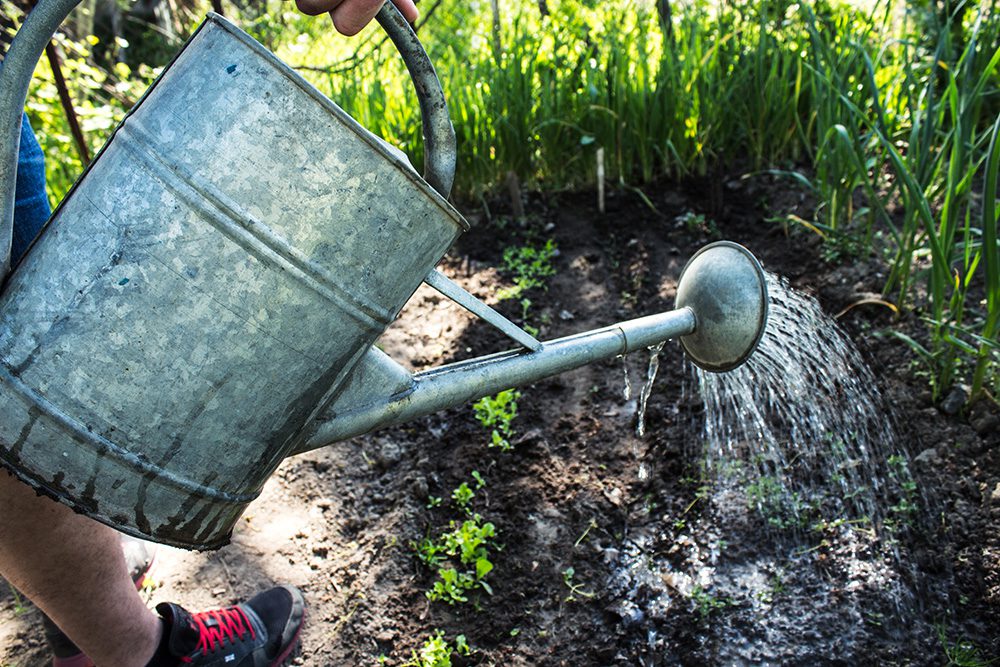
x: 988, y: 354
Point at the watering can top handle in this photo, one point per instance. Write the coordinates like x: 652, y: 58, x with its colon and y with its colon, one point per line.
x: 43, y: 21
x: 439, y: 134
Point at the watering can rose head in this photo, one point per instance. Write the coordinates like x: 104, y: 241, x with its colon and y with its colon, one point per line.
x: 724, y: 285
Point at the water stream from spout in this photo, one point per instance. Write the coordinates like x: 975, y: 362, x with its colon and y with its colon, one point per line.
x: 804, y: 415
x: 804, y: 492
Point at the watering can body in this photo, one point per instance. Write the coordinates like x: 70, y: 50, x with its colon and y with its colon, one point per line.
x: 205, y: 290
x: 206, y: 299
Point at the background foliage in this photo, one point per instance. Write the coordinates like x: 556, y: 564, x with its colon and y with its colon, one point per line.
x: 887, y: 114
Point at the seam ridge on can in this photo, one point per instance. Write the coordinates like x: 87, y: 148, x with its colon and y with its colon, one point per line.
x: 229, y: 218
x: 81, y: 433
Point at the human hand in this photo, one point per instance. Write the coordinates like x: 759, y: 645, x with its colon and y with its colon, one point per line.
x: 350, y: 16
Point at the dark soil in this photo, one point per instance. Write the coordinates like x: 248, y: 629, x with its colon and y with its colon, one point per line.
x: 340, y: 522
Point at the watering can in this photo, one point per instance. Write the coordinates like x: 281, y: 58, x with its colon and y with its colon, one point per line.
x: 206, y: 300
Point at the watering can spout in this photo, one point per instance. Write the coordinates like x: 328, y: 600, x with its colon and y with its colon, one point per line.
x: 720, y: 316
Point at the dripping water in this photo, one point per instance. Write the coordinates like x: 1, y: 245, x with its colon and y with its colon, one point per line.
x: 644, y: 394
x: 647, y: 389
x: 627, y: 391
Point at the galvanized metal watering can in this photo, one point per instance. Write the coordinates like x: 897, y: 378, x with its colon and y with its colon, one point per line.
x: 205, y: 301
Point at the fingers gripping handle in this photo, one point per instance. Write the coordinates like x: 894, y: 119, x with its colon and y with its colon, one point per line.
x: 43, y: 21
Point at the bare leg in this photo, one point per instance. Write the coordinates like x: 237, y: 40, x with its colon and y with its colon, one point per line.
x: 73, y: 569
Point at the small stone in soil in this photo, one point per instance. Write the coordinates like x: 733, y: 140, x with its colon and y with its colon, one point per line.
x: 954, y: 401
x: 927, y: 458
x: 419, y: 488
x: 389, y: 454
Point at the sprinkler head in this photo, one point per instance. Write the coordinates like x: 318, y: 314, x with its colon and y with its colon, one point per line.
x: 723, y: 284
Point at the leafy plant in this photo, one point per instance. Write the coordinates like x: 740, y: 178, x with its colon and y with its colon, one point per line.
x: 463, y: 495
x: 780, y: 506
x: 899, y: 472
x: 529, y: 267
x: 698, y: 222
x: 430, y: 551
x: 436, y: 651
x: 19, y: 605
x: 461, y: 557
x: 497, y: 413
x: 706, y: 603
x: 962, y: 653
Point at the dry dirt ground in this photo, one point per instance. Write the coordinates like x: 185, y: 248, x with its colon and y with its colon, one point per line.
x: 340, y: 523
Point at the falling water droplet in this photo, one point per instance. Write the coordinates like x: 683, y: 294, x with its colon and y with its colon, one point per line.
x: 627, y: 392
x: 647, y: 389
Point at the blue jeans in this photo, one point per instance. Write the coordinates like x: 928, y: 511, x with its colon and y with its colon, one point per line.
x: 31, y: 204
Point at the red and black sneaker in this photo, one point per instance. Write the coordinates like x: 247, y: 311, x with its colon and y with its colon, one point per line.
x: 262, y: 632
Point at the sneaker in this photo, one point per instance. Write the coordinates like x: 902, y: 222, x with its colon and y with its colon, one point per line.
x: 139, y: 556
x: 262, y: 632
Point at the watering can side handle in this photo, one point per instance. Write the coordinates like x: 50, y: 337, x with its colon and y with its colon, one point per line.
x: 439, y: 134
x: 15, y: 77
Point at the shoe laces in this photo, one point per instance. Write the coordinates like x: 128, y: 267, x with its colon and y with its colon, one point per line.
x: 218, y: 627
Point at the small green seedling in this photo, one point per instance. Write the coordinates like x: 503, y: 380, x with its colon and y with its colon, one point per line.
x: 436, y: 651
x: 463, y: 495
x: 430, y: 552
x: 697, y: 222
x: 497, y: 413
x: 899, y: 472
x: 706, y: 603
x: 19, y: 606
x: 574, y: 588
x: 529, y: 267
x: 461, y: 557
x: 780, y: 507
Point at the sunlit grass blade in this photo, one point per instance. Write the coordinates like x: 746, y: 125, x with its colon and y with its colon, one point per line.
x: 991, y: 263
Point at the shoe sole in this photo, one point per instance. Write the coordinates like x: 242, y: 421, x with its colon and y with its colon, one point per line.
x: 291, y: 651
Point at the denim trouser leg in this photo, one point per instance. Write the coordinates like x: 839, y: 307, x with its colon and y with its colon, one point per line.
x: 31, y: 204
